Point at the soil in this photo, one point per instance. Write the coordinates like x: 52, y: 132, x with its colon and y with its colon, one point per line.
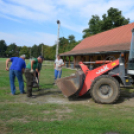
x: 56, y: 96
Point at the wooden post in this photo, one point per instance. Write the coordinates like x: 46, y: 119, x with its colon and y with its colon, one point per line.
x: 64, y: 61
x: 126, y: 59
x: 74, y: 61
x: 89, y: 58
x: 69, y: 62
x: 63, y: 58
x: 82, y: 58
x: 102, y: 57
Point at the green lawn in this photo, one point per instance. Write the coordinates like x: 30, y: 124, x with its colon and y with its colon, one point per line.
x: 52, y: 113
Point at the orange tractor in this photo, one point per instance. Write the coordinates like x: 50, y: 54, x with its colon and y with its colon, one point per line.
x: 103, y: 82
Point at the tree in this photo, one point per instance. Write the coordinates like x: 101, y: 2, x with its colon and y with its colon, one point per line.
x: 63, y: 42
x: 25, y: 50
x: 46, y: 52
x: 12, y: 50
x: 3, y: 47
x: 86, y: 33
x: 34, y: 51
x: 94, y: 24
x: 112, y: 19
x: 49, y: 52
x: 19, y: 48
x: 71, y: 38
x: 41, y: 49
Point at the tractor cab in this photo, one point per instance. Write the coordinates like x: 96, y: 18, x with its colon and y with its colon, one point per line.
x: 130, y: 68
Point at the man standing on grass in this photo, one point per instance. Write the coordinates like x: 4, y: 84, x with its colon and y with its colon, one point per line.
x: 30, y: 73
x: 38, y: 71
x: 16, y: 70
x: 58, y: 67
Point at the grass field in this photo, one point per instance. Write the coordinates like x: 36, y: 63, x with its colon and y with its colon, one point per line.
x: 52, y: 113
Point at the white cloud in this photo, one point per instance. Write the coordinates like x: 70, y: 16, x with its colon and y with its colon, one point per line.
x: 28, y: 10
x: 41, y: 5
x: 72, y: 3
x: 22, y: 39
x: 43, y: 10
x: 74, y: 27
x: 100, y: 7
x: 10, y: 18
x: 74, y: 15
x: 49, y: 10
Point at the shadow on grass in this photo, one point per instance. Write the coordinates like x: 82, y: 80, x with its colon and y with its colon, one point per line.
x: 80, y: 98
x: 58, y: 93
x: 43, y: 92
x: 126, y: 94
x: 47, y: 91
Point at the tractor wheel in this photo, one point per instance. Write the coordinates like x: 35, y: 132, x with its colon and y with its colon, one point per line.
x: 105, y: 89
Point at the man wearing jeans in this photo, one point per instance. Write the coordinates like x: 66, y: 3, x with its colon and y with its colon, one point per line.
x: 16, y: 70
x: 58, y: 67
x: 30, y: 74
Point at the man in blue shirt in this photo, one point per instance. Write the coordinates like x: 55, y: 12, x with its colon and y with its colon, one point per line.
x: 16, y: 70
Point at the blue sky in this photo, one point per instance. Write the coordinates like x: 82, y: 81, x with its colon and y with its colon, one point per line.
x: 29, y: 22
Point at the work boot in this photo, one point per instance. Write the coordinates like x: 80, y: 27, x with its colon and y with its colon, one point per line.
x: 32, y: 96
x: 23, y: 92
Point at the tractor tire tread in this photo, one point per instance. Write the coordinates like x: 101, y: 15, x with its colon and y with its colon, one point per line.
x: 108, y: 77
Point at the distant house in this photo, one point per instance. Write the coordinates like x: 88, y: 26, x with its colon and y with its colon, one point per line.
x: 101, y: 45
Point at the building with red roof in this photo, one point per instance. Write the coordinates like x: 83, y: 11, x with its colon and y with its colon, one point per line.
x: 98, y: 46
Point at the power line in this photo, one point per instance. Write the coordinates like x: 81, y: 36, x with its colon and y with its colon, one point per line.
x: 62, y: 31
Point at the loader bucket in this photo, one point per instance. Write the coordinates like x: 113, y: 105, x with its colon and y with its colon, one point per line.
x: 71, y: 85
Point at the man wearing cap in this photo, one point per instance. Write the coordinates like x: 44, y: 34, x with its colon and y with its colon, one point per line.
x: 30, y: 73
x: 16, y: 70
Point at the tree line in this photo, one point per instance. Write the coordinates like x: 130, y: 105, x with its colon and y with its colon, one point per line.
x: 12, y: 50
x: 113, y: 18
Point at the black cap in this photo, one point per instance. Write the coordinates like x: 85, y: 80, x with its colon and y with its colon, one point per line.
x: 41, y: 57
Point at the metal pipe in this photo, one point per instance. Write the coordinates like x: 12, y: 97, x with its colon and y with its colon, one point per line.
x: 57, y: 47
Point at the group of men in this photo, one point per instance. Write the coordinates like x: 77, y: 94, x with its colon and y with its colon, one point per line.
x: 31, y: 71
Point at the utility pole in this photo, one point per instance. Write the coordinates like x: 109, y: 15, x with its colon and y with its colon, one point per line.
x: 57, y: 47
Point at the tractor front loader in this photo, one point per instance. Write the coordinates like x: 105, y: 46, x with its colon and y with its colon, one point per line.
x: 103, y: 82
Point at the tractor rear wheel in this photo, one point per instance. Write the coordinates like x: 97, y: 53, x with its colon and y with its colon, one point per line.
x: 105, y: 89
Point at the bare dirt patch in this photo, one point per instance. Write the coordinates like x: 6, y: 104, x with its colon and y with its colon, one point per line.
x: 23, y: 120
x: 55, y: 96
x: 63, y: 111
x: 57, y: 118
x: 112, y: 133
x: 59, y: 114
x: 4, y: 130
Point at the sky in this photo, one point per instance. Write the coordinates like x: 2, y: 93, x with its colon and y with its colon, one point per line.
x: 29, y: 22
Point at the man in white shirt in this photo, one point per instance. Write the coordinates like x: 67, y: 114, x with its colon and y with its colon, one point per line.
x: 58, y: 67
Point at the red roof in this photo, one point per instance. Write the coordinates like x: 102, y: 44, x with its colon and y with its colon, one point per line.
x: 117, y: 39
